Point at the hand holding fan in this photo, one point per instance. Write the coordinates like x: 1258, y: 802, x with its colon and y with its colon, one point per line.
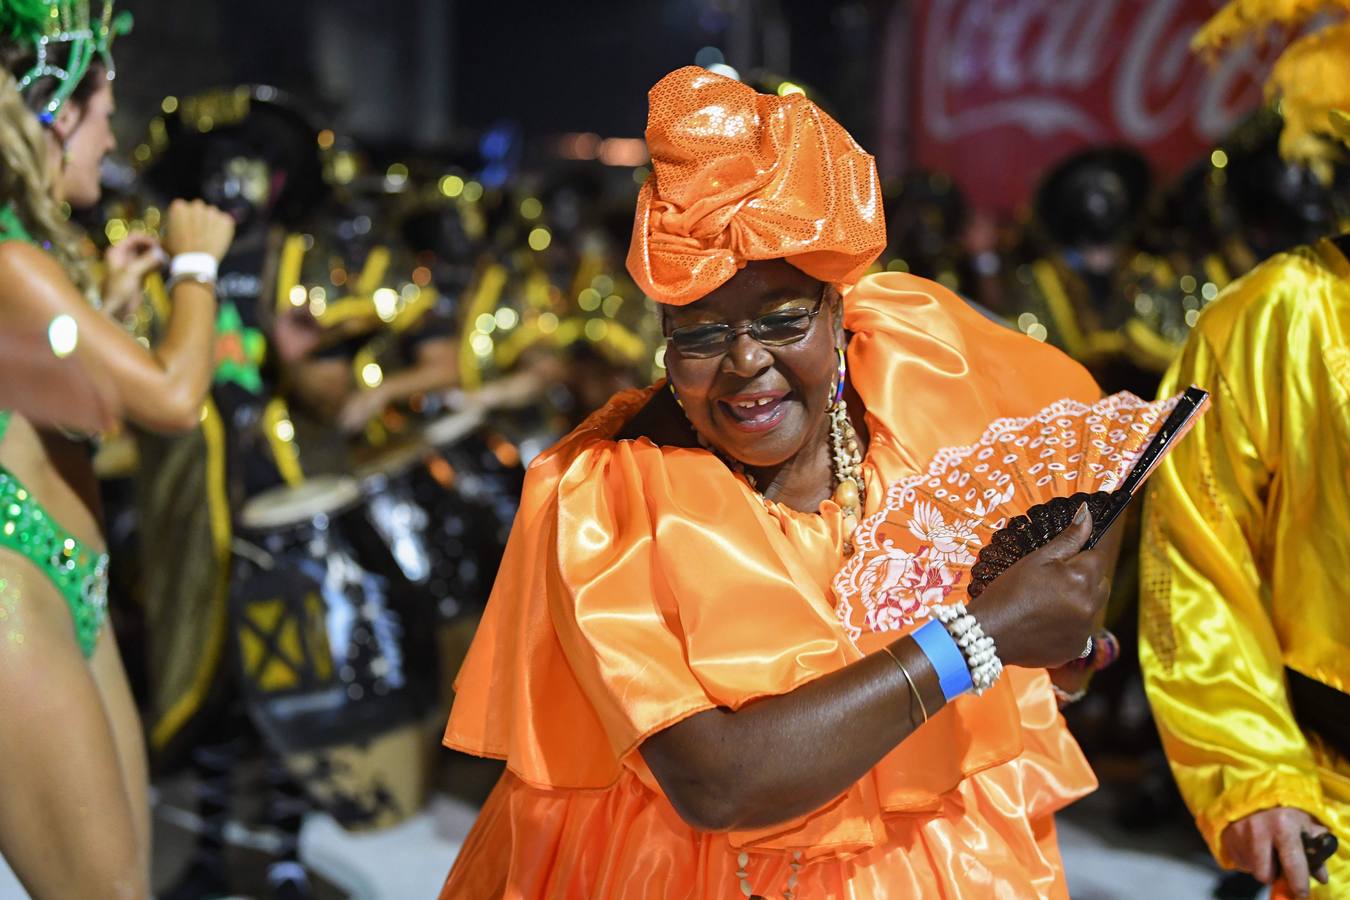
x: 977, y: 510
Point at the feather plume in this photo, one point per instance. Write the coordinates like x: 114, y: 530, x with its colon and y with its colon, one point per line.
x: 1311, y: 81
x: 1243, y: 20
x: 25, y: 20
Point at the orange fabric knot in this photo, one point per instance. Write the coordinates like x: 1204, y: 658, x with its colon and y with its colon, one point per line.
x: 738, y: 175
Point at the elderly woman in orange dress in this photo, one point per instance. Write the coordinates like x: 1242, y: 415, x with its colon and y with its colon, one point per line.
x: 662, y: 666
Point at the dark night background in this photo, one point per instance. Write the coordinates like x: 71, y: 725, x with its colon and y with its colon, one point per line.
x: 429, y: 74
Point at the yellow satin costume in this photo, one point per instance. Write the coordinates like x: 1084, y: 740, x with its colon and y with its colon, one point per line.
x: 1246, y: 539
x: 643, y: 584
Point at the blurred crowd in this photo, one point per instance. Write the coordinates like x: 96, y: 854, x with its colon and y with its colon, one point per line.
x: 1112, y: 262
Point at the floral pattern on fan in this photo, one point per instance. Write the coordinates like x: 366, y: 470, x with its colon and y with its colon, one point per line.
x: 917, y: 551
x: 898, y: 587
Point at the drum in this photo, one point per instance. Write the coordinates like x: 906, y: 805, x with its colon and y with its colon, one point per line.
x: 400, y: 493
x: 392, y: 509
x: 470, y: 486
x: 335, y: 656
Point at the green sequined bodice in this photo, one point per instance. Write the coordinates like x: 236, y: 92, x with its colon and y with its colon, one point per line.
x: 80, y: 575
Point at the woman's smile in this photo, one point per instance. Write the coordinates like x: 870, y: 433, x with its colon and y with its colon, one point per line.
x: 759, y: 411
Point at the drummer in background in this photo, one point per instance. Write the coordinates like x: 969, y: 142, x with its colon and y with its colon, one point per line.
x: 1081, y: 253
x: 1262, y: 203
x: 387, y: 337
x: 932, y: 233
x: 554, y: 319
x: 1236, y: 206
x: 424, y: 360
x: 251, y: 152
x: 415, y: 346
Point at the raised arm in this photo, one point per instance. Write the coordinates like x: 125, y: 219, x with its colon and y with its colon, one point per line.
x: 47, y: 390
x: 160, y: 388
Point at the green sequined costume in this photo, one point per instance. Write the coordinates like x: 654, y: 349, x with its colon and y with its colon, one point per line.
x: 79, y: 574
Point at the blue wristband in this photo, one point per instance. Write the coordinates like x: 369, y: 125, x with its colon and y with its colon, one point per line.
x: 945, y: 657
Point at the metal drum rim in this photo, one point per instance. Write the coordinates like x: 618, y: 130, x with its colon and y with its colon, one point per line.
x: 450, y: 430
x: 322, y: 495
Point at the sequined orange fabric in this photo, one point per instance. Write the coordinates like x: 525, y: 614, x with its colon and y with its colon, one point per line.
x: 738, y: 176
x: 643, y: 584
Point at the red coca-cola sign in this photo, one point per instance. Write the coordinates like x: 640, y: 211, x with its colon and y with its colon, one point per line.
x: 1006, y: 88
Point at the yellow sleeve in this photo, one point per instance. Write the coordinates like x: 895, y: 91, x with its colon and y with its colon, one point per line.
x: 1212, y: 663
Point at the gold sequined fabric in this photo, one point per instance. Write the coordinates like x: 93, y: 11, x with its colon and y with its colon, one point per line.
x: 739, y: 176
x: 1247, y: 528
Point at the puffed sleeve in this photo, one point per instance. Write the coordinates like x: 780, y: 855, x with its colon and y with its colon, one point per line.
x: 640, y: 586
x: 673, y: 597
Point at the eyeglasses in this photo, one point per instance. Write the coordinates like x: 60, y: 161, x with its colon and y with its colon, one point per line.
x: 782, y: 326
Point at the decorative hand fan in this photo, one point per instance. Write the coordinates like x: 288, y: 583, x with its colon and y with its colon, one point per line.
x: 981, y: 508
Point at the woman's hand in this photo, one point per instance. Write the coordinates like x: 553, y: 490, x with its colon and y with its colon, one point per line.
x: 1254, y: 843
x: 360, y: 408
x: 196, y: 227
x: 1041, y: 611
x: 127, y: 263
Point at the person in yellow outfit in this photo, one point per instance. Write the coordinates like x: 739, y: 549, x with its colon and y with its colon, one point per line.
x: 1244, y: 628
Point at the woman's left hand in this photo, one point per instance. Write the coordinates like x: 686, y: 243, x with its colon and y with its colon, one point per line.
x: 128, y: 262
x: 1073, y: 677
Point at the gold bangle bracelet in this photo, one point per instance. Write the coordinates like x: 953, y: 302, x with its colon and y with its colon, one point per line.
x: 908, y: 680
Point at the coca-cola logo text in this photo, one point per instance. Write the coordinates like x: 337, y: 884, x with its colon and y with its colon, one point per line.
x: 1057, y: 74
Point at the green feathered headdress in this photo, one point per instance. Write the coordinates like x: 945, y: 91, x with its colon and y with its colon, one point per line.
x: 44, y: 23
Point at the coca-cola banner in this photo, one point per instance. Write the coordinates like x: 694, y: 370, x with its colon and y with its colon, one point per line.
x: 1006, y: 88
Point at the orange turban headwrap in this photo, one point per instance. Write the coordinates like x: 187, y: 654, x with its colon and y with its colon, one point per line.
x: 738, y: 175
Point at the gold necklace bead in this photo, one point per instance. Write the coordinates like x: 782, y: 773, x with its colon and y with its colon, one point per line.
x: 846, y: 494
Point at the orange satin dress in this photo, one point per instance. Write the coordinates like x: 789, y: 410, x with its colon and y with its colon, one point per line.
x: 643, y: 584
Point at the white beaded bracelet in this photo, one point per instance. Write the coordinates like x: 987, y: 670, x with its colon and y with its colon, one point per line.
x: 978, y: 647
